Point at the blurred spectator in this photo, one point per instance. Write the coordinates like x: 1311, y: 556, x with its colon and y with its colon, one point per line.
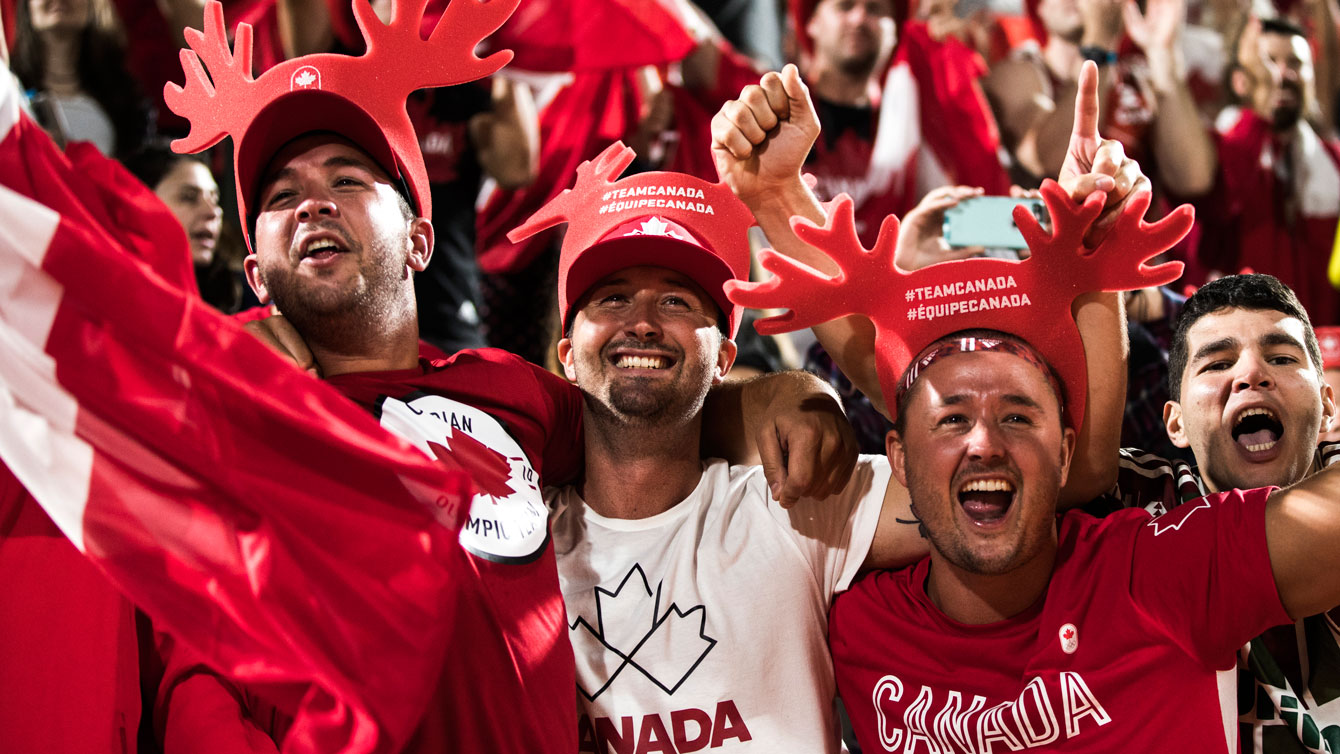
x: 1147, y: 105
x: 188, y: 188
x: 70, y: 55
x: 1150, y: 313
x: 1277, y: 196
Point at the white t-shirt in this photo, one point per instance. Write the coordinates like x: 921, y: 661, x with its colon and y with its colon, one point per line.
x: 705, y: 626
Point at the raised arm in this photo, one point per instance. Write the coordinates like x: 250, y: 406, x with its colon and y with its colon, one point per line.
x: 1181, y: 143
x: 759, y: 143
x: 507, y: 137
x: 1303, y: 534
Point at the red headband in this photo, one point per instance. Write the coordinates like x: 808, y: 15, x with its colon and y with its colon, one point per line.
x: 715, y: 251
x: 947, y: 347
x: 360, y: 98
x: 1030, y: 299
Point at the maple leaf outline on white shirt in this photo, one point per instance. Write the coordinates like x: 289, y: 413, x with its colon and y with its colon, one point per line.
x: 632, y: 632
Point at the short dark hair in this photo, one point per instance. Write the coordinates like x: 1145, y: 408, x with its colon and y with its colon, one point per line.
x: 155, y: 160
x: 1253, y: 292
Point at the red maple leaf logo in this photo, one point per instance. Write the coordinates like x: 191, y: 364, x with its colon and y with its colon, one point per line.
x: 1069, y: 633
x: 488, y: 468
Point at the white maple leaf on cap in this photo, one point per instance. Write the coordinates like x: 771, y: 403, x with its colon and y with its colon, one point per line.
x: 305, y: 78
x: 655, y: 226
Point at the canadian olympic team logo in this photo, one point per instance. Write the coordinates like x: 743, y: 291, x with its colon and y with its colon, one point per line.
x: 1069, y: 636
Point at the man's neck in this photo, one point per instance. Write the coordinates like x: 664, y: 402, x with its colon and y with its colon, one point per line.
x: 840, y: 88
x: 636, y: 470
x: 369, y: 344
x: 977, y: 599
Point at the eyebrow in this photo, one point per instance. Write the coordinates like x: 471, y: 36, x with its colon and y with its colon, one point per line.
x: 1215, y: 346
x: 1012, y: 398
x: 338, y: 161
x: 1280, y: 339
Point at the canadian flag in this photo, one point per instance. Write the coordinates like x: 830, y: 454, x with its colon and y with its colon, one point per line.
x: 254, y: 513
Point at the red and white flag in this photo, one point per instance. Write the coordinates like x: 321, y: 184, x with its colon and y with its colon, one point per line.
x: 253, y: 512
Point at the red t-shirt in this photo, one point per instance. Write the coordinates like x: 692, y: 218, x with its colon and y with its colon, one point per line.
x: 1122, y: 653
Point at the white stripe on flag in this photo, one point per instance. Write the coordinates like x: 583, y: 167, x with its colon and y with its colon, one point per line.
x: 37, y: 416
x: 9, y: 102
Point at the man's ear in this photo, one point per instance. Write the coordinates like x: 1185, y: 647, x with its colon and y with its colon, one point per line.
x: 421, y: 244
x: 725, y: 359
x: 1327, y: 404
x: 567, y: 359
x: 1067, y: 452
x: 252, y: 269
x: 1240, y: 82
x: 893, y: 447
x: 1172, y: 421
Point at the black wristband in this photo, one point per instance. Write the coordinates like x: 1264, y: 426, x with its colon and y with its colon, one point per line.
x: 1099, y: 55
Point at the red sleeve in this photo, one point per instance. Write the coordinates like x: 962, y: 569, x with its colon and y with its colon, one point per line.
x: 564, y: 451
x: 1202, y: 572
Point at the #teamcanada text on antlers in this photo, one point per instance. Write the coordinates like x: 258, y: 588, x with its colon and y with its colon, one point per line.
x: 1030, y: 299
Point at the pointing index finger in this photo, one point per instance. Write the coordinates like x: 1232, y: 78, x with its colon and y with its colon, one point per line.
x: 1086, y: 103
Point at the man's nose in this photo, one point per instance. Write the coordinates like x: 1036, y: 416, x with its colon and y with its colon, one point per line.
x: 984, y: 442
x: 1252, y: 373
x: 316, y: 205
x: 643, y: 320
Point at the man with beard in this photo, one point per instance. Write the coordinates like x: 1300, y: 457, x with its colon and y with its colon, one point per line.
x: 337, y: 208
x: 1277, y: 198
x: 1250, y: 398
x: 696, y: 603
x: 848, y: 45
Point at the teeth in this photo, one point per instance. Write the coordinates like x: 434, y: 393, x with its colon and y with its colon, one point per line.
x: 988, y: 485
x: 320, y: 245
x: 1256, y: 412
x: 641, y: 362
x: 1262, y: 446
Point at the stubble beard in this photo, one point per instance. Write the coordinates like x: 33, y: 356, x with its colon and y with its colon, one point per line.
x: 344, y: 315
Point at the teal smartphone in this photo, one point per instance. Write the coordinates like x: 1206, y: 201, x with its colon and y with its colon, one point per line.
x: 989, y: 221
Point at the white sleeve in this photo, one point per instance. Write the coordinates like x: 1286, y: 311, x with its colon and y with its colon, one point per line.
x: 835, y: 533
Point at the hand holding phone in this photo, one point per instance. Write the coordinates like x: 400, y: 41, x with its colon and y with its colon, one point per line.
x: 988, y: 221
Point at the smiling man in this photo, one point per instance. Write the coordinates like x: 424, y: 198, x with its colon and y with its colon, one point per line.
x: 696, y: 601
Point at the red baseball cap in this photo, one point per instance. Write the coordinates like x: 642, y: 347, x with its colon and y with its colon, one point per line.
x: 648, y: 241
x: 658, y: 218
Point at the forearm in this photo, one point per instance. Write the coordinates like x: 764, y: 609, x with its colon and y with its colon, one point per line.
x: 1102, y: 325
x: 735, y: 412
x: 850, y: 341
x: 1326, y: 19
x: 1182, y: 145
x: 1302, y: 530
x: 507, y: 139
x: 304, y: 27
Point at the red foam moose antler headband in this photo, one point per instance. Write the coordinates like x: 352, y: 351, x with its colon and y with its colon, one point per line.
x: 660, y: 219
x: 361, y: 98
x: 1030, y: 299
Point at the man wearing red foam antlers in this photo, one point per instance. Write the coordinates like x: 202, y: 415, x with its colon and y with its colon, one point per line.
x: 335, y: 198
x: 697, y: 605
x: 1022, y: 629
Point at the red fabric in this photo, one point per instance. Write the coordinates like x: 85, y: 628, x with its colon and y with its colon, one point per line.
x: 249, y: 508
x: 1119, y: 654
x: 69, y: 662
x: 592, y: 35
x: 956, y: 120
x: 1244, y: 227
x: 517, y: 614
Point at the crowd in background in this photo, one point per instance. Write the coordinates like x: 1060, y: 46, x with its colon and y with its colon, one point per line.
x: 1228, y: 106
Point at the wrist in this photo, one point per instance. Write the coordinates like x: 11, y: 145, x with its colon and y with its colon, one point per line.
x: 1098, y: 53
